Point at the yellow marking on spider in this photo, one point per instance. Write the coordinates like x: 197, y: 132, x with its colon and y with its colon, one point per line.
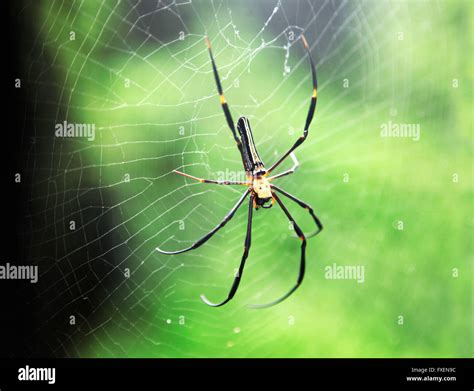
x: 262, y: 187
x: 208, y: 43
x: 315, y: 93
x: 222, y: 99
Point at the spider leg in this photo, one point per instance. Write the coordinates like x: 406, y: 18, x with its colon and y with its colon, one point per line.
x: 296, y: 164
x: 212, y: 181
x: 300, y: 234
x: 311, y: 110
x: 235, y: 285
x: 206, y: 237
x: 225, y: 106
x: 305, y: 206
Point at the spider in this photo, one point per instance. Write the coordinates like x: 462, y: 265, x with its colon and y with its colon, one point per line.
x: 263, y: 193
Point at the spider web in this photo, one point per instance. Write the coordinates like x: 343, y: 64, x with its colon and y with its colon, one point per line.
x: 140, y: 72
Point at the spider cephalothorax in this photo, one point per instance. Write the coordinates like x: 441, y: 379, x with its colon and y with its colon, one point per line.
x: 261, y: 190
x: 259, y: 187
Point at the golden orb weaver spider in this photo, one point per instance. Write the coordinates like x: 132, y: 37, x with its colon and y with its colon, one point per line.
x: 259, y: 186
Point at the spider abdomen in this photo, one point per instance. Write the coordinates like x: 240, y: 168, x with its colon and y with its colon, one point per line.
x: 251, y: 158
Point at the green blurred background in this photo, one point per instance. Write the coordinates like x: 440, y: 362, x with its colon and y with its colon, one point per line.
x: 140, y: 72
